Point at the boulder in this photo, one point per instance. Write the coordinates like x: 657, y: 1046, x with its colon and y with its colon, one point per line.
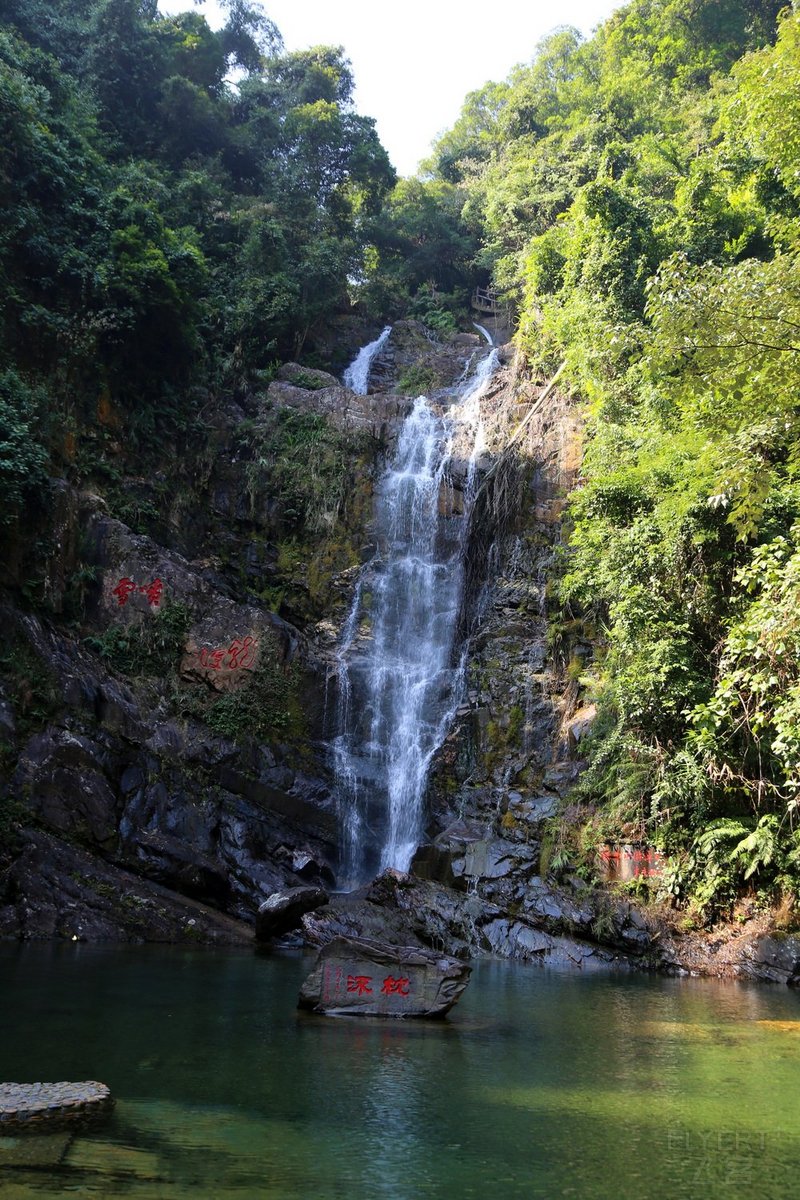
x: 306, y: 377
x: 775, y: 958
x: 357, y: 977
x: 283, y: 911
x: 377, y: 415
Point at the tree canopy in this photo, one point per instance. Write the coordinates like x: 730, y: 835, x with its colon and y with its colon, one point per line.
x: 636, y: 198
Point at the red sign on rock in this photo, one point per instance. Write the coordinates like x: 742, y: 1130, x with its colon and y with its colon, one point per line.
x: 127, y: 588
x: 630, y: 861
x: 359, y: 977
x: 362, y: 985
x: 240, y: 655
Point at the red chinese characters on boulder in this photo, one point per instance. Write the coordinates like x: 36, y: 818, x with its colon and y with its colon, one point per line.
x: 396, y: 987
x: 126, y: 588
x: 123, y: 591
x: 239, y: 656
x: 360, y: 977
x: 360, y: 984
x: 153, y: 591
x: 211, y: 660
x: 632, y: 860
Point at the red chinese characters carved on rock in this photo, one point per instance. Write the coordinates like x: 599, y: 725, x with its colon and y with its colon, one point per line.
x: 239, y: 656
x: 392, y: 986
x: 359, y: 984
x: 126, y: 588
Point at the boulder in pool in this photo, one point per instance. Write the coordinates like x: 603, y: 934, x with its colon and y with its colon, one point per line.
x: 361, y: 978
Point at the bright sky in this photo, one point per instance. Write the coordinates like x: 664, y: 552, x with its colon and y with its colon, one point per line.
x: 415, y: 60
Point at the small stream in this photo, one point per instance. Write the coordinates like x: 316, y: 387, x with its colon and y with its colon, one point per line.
x: 539, y: 1084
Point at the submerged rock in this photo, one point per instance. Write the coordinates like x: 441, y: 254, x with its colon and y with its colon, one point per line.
x: 357, y: 977
x: 283, y: 911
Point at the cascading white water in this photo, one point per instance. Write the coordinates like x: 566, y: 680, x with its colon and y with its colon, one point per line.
x: 356, y: 376
x: 482, y: 329
x: 400, y: 675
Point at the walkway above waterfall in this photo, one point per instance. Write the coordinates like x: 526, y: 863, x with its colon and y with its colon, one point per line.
x: 494, y: 312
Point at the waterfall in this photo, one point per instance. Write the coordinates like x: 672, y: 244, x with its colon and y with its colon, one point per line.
x: 485, y: 332
x: 400, y: 674
x: 356, y: 376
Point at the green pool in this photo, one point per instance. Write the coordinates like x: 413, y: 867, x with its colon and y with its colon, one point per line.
x: 538, y: 1085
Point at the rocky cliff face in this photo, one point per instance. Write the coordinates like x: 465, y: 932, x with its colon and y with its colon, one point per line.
x: 479, y: 882
x: 164, y: 686
x: 491, y: 877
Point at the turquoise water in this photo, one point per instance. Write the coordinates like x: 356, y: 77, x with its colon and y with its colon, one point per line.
x: 538, y: 1085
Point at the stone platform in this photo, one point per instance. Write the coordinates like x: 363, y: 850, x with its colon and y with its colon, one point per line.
x: 41, y: 1106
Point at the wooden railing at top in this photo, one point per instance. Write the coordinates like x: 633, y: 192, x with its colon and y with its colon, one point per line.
x: 485, y: 300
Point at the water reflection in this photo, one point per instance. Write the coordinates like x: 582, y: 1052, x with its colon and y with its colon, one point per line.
x: 539, y: 1085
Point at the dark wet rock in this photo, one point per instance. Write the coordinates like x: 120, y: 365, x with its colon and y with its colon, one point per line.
x: 55, y: 890
x: 118, y: 775
x: 116, y: 708
x: 307, y: 864
x: 283, y: 911
x: 181, y: 867
x: 530, y: 810
x: 493, y: 858
x: 561, y: 776
x: 513, y: 939
x: 581, y: 722
x: 442, y: 361
x: 358, y: 977
x: 772, y: 957
x: 62, y: 775
x: 371, y: 912
x: 295, y: 806
x: 7, y: 723
x: 549, y: 925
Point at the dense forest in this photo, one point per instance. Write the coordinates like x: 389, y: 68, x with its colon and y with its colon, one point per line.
x: 637, y: 198
x: 169, y: 238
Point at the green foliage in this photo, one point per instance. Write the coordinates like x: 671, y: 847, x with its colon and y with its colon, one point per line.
x: 748, y: 731
x: 266, y: 707
x: 152, y: 647
x: 637, y: 197
x: 763, y: 111
x: 23, y: 458
x: 164, y: 234
x: 32, y: 689
x: 435, y: 309
x: 417, y: 380
x: 728, y: 853
x: 423, y: 252
x: 301, y: 461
